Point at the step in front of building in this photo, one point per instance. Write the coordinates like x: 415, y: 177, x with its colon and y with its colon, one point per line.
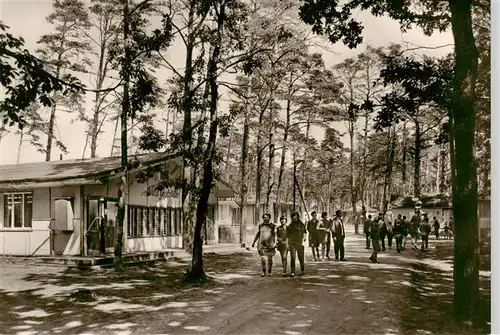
x: 90, y: 262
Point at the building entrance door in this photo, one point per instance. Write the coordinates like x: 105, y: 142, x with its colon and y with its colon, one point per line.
x: 100, y: 226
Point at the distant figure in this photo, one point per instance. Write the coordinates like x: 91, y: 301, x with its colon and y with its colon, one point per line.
x: 338, y: 232
x: 435, y: 226
x: 366, y: 230
x: 452, y: 228
x: 414, y: 225
x: 399, y: 232
x: 296, y: 232
x: 266, y: 235
x: 425, y: 229
x: 446, y: 231
x: 356, y: 225
x: 282, y: 244
x: 383, y: 233
x: 375, y: 236
x: 390, y: 234
x: 312, y: 229
x: 325, y: 225
x: 406, y: 233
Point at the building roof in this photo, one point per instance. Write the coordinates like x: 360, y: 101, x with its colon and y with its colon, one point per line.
x: 52, y: 171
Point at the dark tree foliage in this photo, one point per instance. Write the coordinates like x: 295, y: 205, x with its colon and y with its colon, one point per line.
x: 142, y: 48
x: 423, y: 84
x: 24, y: 79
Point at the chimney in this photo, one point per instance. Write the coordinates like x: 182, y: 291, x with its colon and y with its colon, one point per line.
x: 60, y: 157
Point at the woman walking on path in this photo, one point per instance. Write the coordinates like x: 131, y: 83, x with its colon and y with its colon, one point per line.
x: 312, y: 229
x: 266, y: 235
x: 282, y: 244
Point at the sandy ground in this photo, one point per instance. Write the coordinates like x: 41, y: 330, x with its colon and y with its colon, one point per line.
x: 408, y: 293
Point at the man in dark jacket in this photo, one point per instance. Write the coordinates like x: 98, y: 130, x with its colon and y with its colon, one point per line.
x: 366, y: 230
x: 399, y: 232
x: 425, y: 229
x: 383, y: 233
x: 338, y: 231
x: 435, y: 225
x: 296, y: 232
x: 414, y: 227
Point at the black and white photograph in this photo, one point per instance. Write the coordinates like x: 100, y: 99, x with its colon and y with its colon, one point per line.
x: 259, y: 167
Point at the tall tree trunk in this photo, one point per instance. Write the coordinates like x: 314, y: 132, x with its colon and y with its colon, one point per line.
x: 390, y: 168
x: 466, y: 250
x: 304, y: 162
x: 188, y: 198
x: 122, y: 190
x: 442, y: 167
x: 228, y: 154
x: 19, y: 146
x: 244, y: 175
x: 328, y: 195
x: 197, y: 272
x: 113, y: 146
x: 387, y: 174
x: 426, y: 172
x: 258, y: 172
x: 52, y: 120
x: 167, y: 121
x: 101, y: 73
x: 270, y: 171
x: 438, y: 172
x: 417, y: 163
x: 363, y: 167
x: 404, y: 161
x: 50, y: 132
x: 352, y: 171
x: 283, y: 157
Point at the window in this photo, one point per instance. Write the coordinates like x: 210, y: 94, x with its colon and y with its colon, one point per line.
x: 18, y: 210
x: 151, y: 221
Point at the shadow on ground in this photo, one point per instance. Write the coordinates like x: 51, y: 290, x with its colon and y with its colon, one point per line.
x: 104, y: 301
x: 408, y: 293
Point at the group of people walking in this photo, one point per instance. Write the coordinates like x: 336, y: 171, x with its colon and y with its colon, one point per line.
x: 377, y: 230
x: 290, y: 238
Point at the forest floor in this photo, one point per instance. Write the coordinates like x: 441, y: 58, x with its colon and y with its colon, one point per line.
x: 407, y: 293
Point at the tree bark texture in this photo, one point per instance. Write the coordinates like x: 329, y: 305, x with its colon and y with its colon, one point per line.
x: 417, y: 163
x: 197, y: 272
x: 244, y: 174
x: 122, y: 190
x: 283, y: 158
x: 466, y: 250
x: 404, y: 161
x: 188, y: 198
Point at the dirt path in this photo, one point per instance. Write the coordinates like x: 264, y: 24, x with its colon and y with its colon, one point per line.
x: 353, y: 297
x: 408, y: 293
